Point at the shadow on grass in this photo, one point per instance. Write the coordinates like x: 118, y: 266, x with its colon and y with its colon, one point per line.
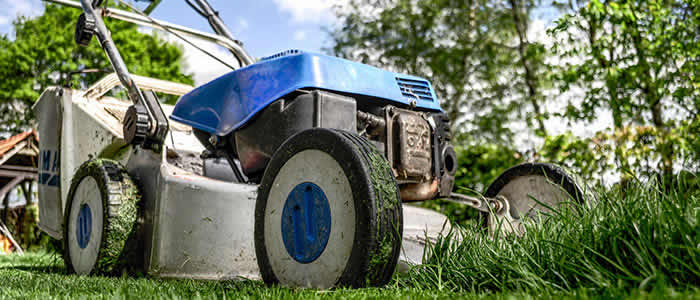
x: 37, y: 269
x: 46, y: 263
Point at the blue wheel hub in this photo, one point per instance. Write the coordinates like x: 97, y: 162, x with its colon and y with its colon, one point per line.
x: 306, y: 222
x: 84, y: 226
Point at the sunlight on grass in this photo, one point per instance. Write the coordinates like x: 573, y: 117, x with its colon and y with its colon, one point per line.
x: 641, y: 238
x: 640, y: 243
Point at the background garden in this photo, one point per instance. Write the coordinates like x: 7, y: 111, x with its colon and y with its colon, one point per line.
x: 609, y: 89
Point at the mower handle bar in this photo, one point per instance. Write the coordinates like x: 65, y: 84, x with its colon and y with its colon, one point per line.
x: 220, y: 39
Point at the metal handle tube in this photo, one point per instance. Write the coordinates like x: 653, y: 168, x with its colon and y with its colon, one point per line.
x: 112, y: 53
x: 214, y: 20
x: 223, y: 41
x: 157, y: 121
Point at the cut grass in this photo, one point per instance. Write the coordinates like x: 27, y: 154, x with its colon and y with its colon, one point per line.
x: 643, y: 243
x: 636, y: 239
x: 42, y: 276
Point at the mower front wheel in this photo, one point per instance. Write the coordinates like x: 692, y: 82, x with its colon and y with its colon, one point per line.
x: 328, y: 213
x: 101, y: 219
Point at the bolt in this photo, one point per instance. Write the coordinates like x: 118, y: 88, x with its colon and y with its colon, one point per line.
x: 213, y: 139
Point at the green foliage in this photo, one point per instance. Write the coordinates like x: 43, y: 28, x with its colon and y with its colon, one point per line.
x: 476, y: 54
x: 43, y: 53
x: 640, y: 148
x: 589, y: 158
x: 633, y: 238
x: 480, y: 164
x: 639, y: 61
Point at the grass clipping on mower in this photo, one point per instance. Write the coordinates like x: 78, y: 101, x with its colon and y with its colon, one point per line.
x: 387, y: 200
x: 119, y: 247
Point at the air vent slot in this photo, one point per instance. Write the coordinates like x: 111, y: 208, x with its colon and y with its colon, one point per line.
x: 412, y: 89
x: 283, y: 53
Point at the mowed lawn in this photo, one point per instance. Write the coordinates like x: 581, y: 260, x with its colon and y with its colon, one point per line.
x: 642, y: 242
x: 42, y: 276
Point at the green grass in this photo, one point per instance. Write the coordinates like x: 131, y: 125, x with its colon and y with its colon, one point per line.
x: 638, y: 239
x: 643, y: 243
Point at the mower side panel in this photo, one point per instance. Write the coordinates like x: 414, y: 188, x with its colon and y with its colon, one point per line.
x: 228, y: 102
x: 48, y: 110
x: 72, y: 129
x: 194, y: 227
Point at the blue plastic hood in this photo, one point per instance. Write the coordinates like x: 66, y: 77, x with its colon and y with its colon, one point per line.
x: 228, y: 102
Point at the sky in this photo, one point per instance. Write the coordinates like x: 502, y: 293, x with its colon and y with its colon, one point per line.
x: 265, y: 27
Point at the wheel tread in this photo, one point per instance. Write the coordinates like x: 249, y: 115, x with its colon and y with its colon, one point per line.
x: 120, y: 200
x: 378, y: 222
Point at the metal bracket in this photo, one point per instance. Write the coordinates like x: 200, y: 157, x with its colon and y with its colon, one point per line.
x: 483, y: 204
x: 158, y: 122
x: 498, y: 209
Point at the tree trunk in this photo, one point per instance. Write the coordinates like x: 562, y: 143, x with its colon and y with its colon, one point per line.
x: 521, y: 27
x: 648, y: 85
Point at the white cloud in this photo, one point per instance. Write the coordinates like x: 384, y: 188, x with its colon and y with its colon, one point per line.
x: 243, y: 24
x: 202, y: 66
x: 299, y: 35
x: 309, y: 11
x: 13, y: 8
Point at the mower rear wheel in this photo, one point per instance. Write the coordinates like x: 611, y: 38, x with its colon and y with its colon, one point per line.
x: 328, y: 213
x: 100, y: 220
x: 533, y: 190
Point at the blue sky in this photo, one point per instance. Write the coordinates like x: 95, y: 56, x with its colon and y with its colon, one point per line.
x: 265, y: 26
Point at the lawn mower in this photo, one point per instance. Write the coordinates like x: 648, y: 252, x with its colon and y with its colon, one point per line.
x: 292, y: 168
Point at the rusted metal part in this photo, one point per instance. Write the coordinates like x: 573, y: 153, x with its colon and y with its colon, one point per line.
x: 483, y: 204
x: 408, y: 145
x: 370, y: 124
x: 414, y: 145
x: 419, y: 191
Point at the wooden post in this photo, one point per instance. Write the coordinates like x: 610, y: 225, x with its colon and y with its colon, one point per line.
x: 6, y: 206
x: 30, y: 184
x: 6, y: 232
x: 20, y: 234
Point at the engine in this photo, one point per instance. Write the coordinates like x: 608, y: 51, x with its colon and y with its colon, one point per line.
x: 416, y: 144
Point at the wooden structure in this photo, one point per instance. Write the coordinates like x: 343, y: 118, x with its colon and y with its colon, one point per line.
x: 18, y: 167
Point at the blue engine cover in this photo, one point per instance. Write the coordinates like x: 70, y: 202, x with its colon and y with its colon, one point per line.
x: 228, y: 102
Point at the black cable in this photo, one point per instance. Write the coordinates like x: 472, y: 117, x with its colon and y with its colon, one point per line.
x: 197, y: 9
x: 183, y: 38
x: 236, y: 171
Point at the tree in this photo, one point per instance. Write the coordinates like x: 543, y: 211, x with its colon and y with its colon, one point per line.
x: 475, y: 52
x: 639, y: 60
x: 43, y: 53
